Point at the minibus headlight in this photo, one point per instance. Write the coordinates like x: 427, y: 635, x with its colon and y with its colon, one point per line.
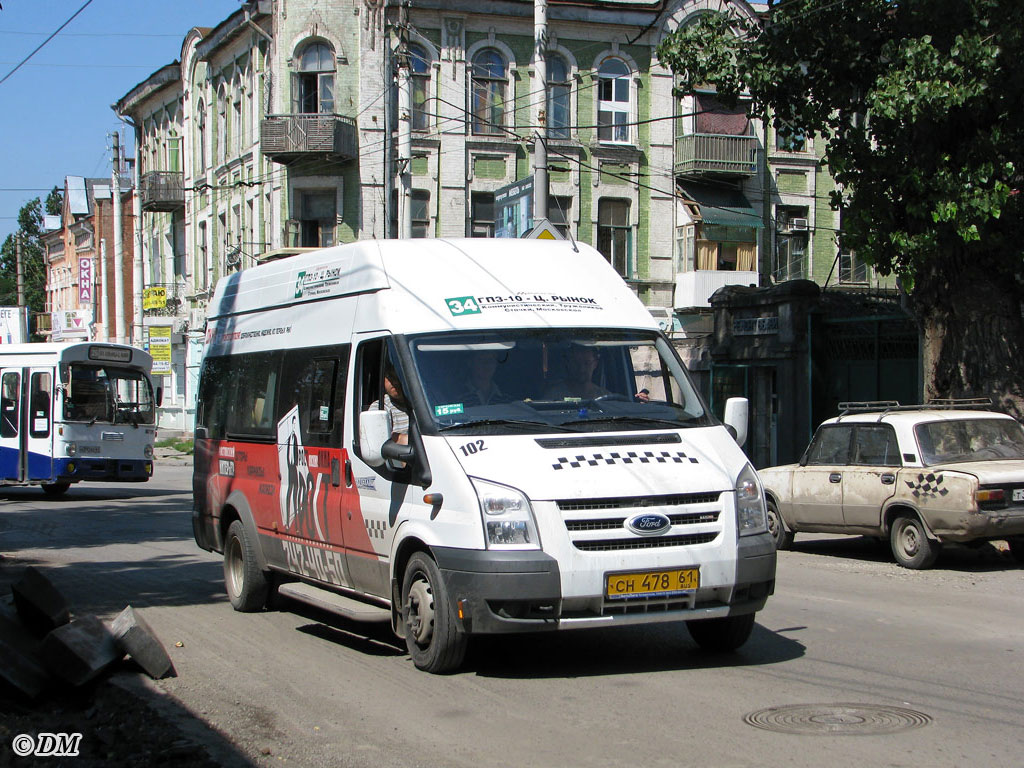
x: 148, y: 451
x: 750, y: 512
x: 507, y: 517
x: 71, y: 449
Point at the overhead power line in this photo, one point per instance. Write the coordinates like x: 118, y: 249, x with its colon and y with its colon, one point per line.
x: 40, y: 46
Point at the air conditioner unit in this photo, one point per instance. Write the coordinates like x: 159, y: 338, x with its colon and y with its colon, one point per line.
x: 798, y: 225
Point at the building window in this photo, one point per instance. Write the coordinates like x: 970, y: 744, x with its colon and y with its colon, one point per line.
x: 420, y: 213
x: 222, y: 125
x: 482, y: 214
x: 614, y: 235
x: 558, y: 213
x: 788, y: 139
x: 317, y: 214
x: 487, y: 100
x: 174, y: 153
x: 558, y: 98
x: 613, y: 106
x: 715, y: 119
x: 314, y: 82
x: 852, y: 269
x: 419, y: 71
x: 236, y: 124
x: 791, y: 239
x: 685, y: 256
x: 201, y: 136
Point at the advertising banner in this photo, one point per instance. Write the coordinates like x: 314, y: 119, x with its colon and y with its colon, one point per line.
x: 85, y: 280
x: 160, y: 349
x: 71, y: 324
x: 513, y: 209
x: 10, y: 327
x: 154, y: 298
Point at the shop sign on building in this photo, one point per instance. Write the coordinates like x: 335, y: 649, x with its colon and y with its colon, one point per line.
x: 160, y: 349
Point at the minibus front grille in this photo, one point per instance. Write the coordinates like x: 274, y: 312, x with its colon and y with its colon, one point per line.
x: 611, y: 523
x: 634, y: 502
x: 644, y: 542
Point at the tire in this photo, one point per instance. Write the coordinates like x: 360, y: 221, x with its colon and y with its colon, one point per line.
x: 55, y: 489
x: 910, y: 544
x: 246, y: 584
x: 434, y: 641
x: 721, y: 635
x: 1016, y: 545
x: 783, y: 537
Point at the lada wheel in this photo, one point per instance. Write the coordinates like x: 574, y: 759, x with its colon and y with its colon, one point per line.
x: 910, y: 544
x: 55, y: 489
x: 246, y: 584
x: 431, y: 635
x: 783, y: 538
x: 723, y: 634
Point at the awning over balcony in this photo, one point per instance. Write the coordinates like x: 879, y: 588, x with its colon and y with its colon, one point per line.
x: 722, y: 206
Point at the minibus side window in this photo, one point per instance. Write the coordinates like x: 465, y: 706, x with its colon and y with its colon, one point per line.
x: 39, y: 404
x: 9, y: 396
x: 254, y: 378
x: 215, y: 392
x: 314, y: 380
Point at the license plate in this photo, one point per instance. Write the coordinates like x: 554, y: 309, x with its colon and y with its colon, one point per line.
x: 1018, y: 494
x: 619, y: 586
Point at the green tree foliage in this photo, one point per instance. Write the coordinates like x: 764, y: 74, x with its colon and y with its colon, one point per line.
x: 30, y: 227
x: 920, y: 104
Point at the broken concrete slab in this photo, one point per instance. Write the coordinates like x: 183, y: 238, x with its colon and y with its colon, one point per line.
x: 40, y: 604
x: 20, y: 663
x: 80, y: 651
x: 136, y: 638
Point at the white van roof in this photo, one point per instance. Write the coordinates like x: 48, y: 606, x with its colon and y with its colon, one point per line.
x: 435, y: 284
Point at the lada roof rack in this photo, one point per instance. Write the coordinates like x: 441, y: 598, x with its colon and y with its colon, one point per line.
x: 887, y: 406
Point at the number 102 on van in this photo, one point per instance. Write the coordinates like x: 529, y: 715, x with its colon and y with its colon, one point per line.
x: 463, y: 305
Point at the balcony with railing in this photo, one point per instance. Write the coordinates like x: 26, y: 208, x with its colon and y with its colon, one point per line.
x: 162, y: 191
x: 286, y: 138
x: 699, y: 155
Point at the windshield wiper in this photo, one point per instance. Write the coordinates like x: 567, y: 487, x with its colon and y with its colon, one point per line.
x: 628, y: 420
x: 503, y: 422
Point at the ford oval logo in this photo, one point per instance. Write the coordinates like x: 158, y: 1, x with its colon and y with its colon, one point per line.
x: 649, y: 524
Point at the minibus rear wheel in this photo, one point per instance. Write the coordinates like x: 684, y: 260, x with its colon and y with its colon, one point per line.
x: 246, y: 584
x: 431, y: 635
x: 726, y: 633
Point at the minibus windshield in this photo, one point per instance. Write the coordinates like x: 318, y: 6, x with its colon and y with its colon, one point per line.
x: 541, y: 380
x: 108, y: 394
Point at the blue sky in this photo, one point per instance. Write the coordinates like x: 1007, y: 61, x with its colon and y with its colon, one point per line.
x: 55, y: 115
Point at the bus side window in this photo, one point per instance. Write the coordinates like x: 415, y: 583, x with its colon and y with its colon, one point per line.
x: 9, y: 396
x: 314, y: 381
x: 39, y: 405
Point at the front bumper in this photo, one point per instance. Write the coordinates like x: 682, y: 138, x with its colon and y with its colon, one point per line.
x: 506, y: 592
x: 77, y: 469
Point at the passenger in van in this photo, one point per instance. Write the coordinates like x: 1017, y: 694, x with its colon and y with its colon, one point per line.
x: 580, y: 364
x: 480, y: 377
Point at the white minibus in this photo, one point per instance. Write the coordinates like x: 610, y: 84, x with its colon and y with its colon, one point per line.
x: 75, y: 412
x: 469, y: 436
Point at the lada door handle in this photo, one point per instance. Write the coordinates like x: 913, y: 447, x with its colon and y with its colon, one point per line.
x: 888, y: 478
x: 835, y: 477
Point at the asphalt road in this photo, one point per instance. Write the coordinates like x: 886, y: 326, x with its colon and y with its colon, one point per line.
x: 881, y: 665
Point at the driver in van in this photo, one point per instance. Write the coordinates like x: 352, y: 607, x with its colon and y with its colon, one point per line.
x: 581, y: 362
x: 395, y: 404
x: 481, y: 389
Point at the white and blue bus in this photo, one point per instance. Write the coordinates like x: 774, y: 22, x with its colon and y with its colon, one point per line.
x: 75, y: 412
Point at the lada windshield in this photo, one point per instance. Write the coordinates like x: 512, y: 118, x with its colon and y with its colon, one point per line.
x: 944, y: 442
x: 562, y: 380
x: 108, y: 394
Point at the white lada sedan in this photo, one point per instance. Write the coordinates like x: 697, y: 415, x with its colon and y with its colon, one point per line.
x: 920, y: 476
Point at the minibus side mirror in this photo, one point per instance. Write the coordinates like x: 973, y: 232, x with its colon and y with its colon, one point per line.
x: 374, y: 431
x: 736, y: 409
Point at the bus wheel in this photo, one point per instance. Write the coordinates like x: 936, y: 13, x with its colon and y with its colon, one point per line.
x: 434, y: 642
x: 55, y: 489
x: 726, y: 633
x: 246, y: 584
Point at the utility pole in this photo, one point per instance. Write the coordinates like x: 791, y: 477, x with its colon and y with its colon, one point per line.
x: 104, y: 305
x: 115, y: 196
x: 138, y: 251
x: 22, y: 309
x: 540, y: 150
x: 404, y: 125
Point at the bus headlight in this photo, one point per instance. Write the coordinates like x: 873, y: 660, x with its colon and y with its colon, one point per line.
x: 750, y: 511
x: 148, y: 451
x: 507, y: 517
x: 71, y: 449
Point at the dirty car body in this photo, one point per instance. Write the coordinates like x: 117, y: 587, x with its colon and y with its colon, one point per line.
x: 918, y: 476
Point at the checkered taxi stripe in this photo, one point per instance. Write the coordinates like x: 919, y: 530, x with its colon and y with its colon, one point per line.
x: 626, y: 457
x: 927, y: 485
x: 375, y: 529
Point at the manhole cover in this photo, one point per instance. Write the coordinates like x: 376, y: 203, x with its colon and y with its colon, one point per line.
x: 837, y: 719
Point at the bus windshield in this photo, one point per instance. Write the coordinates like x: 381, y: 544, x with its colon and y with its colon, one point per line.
x: 108, y: 394
x: 563, y: 380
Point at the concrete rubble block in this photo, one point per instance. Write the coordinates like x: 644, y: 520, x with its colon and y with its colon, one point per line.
x: 20, y: 663
x: 40, y: 604
x: 137, y: 639
x: 80, y: 651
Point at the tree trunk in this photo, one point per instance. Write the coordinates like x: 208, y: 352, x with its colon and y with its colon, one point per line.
x: 969, y: 310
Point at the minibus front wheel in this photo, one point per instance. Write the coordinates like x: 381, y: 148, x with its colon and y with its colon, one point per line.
x: 246, y: 584
x: 431, y: 635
